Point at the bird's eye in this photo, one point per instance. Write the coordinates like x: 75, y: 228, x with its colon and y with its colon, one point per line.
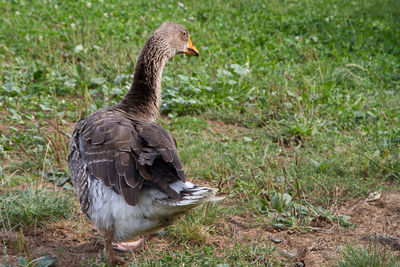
x: 184, y: 34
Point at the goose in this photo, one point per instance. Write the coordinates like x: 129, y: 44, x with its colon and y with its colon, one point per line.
x: 124, y: 166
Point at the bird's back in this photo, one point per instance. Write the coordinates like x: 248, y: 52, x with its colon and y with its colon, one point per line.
x: 124, y: 154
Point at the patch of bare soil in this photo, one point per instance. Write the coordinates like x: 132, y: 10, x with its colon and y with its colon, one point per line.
x: 374, y: 222
x: 69, y: 242
x: 230, y: 130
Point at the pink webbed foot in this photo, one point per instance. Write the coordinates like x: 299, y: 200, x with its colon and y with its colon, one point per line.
x: 129, y: 247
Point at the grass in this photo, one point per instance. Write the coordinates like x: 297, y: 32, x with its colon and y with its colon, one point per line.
x: 373, y: 256
x: 291, y: 108
x: 44, y: 261
x: 31, y: 207
x: 239, y: 255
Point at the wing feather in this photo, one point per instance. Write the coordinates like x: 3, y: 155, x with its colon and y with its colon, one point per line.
x: 125, y: 154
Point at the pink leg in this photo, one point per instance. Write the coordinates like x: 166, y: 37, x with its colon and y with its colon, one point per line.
x: 131, y: 246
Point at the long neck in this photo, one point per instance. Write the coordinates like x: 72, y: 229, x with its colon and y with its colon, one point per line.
x: 144, y: 97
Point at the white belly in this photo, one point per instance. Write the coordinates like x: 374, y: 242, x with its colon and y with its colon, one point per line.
x: 109, y: 210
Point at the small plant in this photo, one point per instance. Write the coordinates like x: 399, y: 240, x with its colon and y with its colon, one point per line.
x: 44, y: 261
x: 197, y: 225
x: 31, y: 207
x: 285, y: 212
x: 255, y: 254
x: 372, y: 256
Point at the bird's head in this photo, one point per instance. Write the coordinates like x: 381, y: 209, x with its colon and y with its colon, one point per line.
x: 175, y: 39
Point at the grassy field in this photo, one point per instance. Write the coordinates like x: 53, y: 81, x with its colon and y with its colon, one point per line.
x: 292, y: 110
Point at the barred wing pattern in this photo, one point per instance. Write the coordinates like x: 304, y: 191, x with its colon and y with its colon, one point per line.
x: 124, y: 153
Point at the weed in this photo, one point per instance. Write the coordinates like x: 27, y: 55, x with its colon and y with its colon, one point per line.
x: 282, y: 211
x: 261, y: 255
x: 32, y: 207
x: 198, y: 225
x: 44, y: 261
x: 373, y: 256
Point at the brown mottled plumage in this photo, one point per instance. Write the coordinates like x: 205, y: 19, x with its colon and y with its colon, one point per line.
x: 124, y: 167
x: 125, y: 154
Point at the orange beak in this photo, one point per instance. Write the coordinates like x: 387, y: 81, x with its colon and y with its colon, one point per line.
x: 191, y: 50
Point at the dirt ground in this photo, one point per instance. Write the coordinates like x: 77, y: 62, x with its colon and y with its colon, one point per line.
x: 72, y: 243
x: 374, y: 222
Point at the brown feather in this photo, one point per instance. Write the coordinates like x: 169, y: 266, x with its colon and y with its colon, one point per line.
x: 123, y: 153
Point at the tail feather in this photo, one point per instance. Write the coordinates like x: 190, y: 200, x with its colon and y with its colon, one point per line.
x: 192, y: 195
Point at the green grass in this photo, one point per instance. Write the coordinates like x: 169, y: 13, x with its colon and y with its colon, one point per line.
x: 239, y: 255
x: 44, y: 261
x: 31, y: 207
x: 308, y: 92
x: 372, y: 256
